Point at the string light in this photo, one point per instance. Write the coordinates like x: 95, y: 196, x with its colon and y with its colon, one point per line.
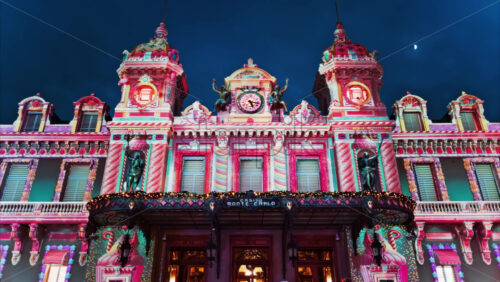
x: 101, y: 200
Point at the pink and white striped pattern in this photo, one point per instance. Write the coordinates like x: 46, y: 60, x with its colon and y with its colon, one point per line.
x: 389, y: 166
x: 109, y: 236
x: 111, y: 170
x: 157, y: 166
x: 345, y: 168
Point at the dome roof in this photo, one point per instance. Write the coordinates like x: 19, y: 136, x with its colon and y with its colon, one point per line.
x: 158, y: 46
x: 345, y: 48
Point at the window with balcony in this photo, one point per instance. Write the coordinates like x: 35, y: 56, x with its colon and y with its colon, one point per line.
x: 413, y: 121
x: 469, y: 120
x: 32, y: 121
x: 251, y: 176
x: 426, y: 182
x: 308, y: 179
x: 14, y: 185
x: 76, y: 183
x: 88, y: 122
x: 485, y: 174
x: 193, y: 175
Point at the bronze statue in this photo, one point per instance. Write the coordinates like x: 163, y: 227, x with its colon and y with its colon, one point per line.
x: 276, y: 96
x: 224, y: 96
x: 368, y: 169
x: 134, y: 174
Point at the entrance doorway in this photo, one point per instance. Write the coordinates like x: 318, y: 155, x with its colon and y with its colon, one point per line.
x: 314, y: 265
x: 251, y: 258
x: 188, y: 265
x: 251, y: 264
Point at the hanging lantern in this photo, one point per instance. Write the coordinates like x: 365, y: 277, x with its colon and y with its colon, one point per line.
x: 292, y: 249
x: 377, y: 251
x: 211, y: 250
x: 125, y: 251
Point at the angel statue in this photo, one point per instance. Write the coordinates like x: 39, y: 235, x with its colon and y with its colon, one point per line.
x: 275, y: 97
x: 224, y: 96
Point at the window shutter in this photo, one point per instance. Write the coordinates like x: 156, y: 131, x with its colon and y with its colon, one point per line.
x: 308, y: 179
x: 487, y: 182
x: 412, y: 121
x: 468, y: 120
x: 193, y: 175
x: 32, y: 122
x: 425, y: 182
x: 251, y: 175
x: 77, y: 183
x: 89, y: 122
x: 14, y: 185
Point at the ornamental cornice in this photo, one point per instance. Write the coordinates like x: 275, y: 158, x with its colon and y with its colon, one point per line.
x: 248, y: 130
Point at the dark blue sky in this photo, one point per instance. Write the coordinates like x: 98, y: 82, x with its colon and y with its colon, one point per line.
x: 284, y: 37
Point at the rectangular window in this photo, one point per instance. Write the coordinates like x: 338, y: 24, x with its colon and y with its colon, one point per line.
x: 446, y: 273
x: 487, y: 181
x: 251, y: 177
x: 89, y: 122
x: 308, y: 179
x: 55, y: 273
x: 32, y: 122
x: 77, y: 183
x: 413, y: 121
x: 425, y: 182
x: 193, y: 175
x: 469, y: 121
x: 14, y: 185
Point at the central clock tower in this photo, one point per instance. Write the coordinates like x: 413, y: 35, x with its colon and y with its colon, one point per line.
x: 250, y: 88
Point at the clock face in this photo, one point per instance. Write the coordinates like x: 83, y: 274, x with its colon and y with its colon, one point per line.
x: 250, y: 102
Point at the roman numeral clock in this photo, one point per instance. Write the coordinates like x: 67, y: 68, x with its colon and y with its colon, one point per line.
x: 250, y: 88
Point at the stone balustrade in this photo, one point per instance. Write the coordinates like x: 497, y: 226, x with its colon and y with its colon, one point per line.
x: 43, y: 212
x: 461, y: 211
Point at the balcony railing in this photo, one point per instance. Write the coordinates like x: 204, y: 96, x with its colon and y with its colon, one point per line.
x: 24, y: 212
x: 457, y: 211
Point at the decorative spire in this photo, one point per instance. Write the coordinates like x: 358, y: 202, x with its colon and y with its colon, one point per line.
x: 339, y: 32
x: 161, y: 31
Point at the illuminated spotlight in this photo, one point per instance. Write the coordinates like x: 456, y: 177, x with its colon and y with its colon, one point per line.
x: 415, y: 46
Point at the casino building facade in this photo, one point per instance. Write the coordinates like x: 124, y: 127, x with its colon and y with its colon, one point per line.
x: 256, y: 190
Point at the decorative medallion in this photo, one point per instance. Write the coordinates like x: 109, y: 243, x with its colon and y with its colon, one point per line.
x: 357, y: 93
x: 144, y: 93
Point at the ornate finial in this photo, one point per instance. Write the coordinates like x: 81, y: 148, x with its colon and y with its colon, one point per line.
x: 92, y: 94
x: 408, y: 93
x: 464, y: 93
x: 161, y: 32
x: 250, y: 64
x: 339, y: 33
x: 38, y: 94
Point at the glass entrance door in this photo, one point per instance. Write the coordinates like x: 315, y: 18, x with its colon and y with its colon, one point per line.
x: 187, y: 266
x: 251, y: 265
x: 314, y: 265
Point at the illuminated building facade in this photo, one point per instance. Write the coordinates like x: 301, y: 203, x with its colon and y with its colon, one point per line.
x: 248, y: 192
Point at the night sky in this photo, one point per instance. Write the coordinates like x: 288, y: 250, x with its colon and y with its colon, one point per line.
x: 214, y: 38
